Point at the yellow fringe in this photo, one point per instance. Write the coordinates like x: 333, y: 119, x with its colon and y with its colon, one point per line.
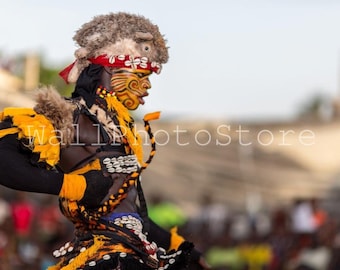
x: 83, y: 257
x: 37, y: 128
x: 7, y: 131
x: 124, y: 118
x: 14, y: 111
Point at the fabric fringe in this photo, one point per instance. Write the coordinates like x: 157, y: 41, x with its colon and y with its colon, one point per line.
x: 37, y: 129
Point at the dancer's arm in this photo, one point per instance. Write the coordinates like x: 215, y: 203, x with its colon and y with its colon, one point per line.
x: 18, y: 172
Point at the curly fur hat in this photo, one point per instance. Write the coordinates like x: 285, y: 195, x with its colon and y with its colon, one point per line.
x: 118, y: 34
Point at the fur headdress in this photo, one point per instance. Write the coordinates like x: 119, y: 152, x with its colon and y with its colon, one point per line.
x: 117, y: 34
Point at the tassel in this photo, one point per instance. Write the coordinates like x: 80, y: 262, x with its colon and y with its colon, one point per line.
x: 152, y: 116
x: 176, y: 240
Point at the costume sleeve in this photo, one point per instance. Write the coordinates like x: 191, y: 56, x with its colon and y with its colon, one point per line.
x: 25, y: 135
x: 17, y: 171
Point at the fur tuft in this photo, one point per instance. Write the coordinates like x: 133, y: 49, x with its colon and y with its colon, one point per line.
x: 58, y: 110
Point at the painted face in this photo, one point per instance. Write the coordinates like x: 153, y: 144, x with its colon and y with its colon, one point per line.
x: 130, y: 86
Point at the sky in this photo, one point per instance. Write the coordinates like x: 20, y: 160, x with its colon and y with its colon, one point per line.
x: 241, y: 59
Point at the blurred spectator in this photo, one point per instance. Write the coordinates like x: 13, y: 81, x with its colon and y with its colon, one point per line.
x: 51, y: 230
x: 280, y: 239
x: 215, y: 216
x: 303, y: 226
x: 23, y: 213
x: 319, y: 214
x: 302, y: 217
x: 49, y: 221
x: 23, y: 216
x: 212, y: 217
x: 314, y: 257
x: 240, y: 227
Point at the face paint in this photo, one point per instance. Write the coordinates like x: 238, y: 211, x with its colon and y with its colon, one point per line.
x: 130, y: 86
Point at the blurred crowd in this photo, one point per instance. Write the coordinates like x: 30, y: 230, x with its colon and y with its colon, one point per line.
x: 31, y: 227
x: 303, y: 236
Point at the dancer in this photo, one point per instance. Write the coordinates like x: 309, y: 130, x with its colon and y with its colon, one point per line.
x: 86, y: 150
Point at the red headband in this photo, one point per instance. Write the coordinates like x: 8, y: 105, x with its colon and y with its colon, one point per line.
x: 117, y: 61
